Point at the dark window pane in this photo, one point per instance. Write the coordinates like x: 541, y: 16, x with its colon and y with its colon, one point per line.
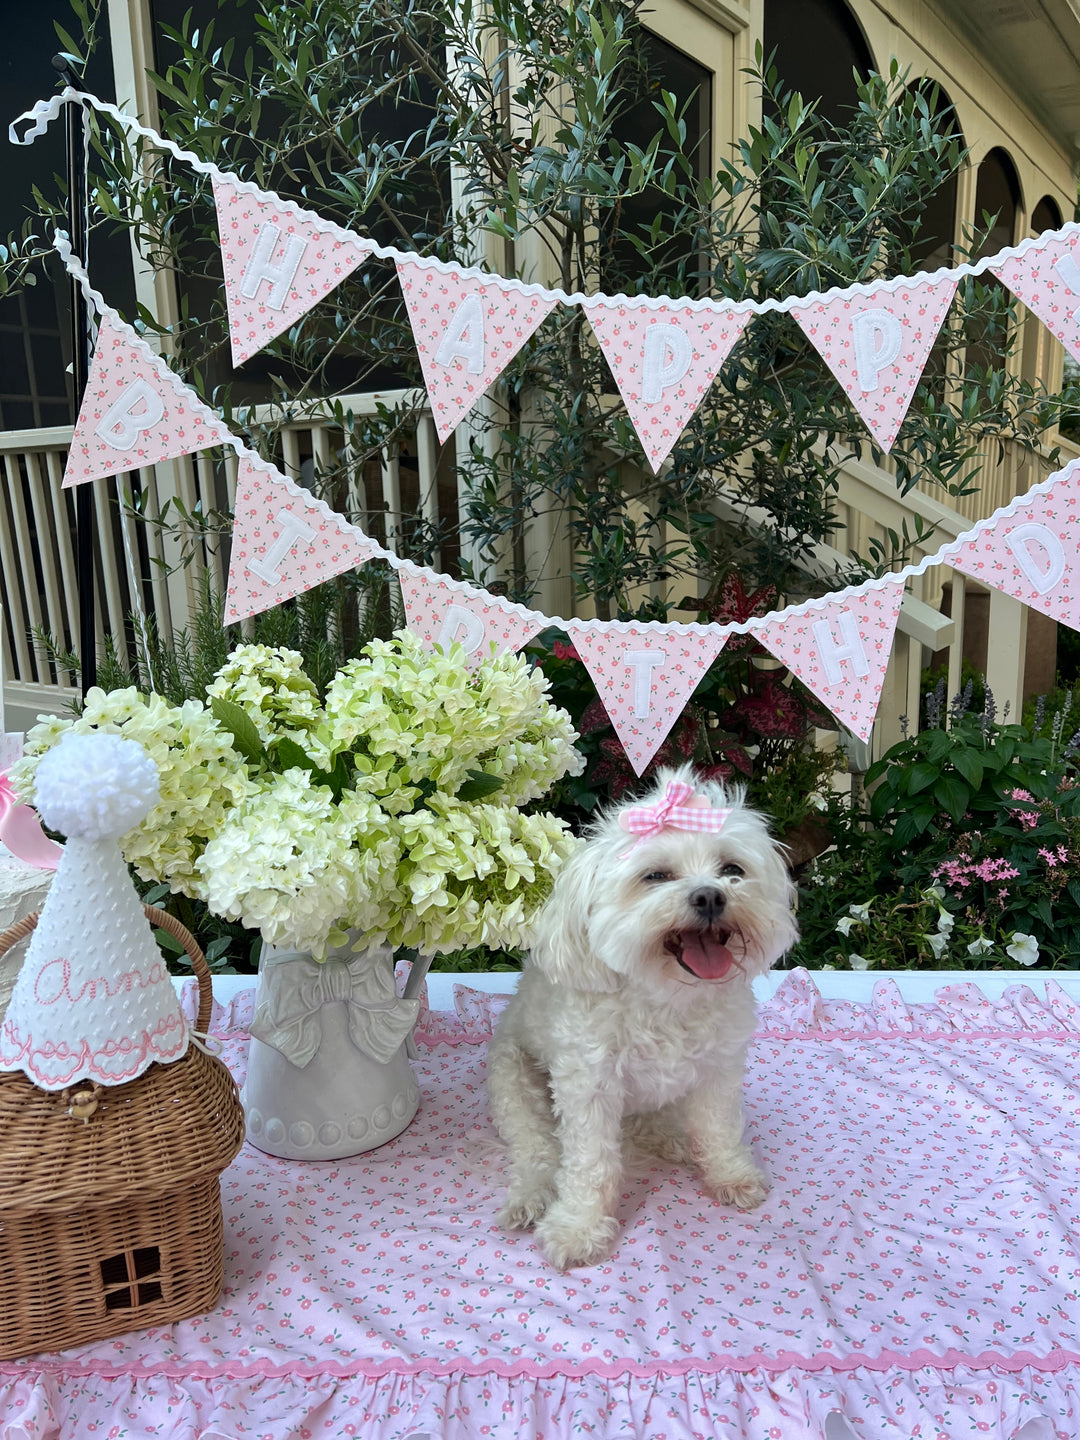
x: 817, y: 43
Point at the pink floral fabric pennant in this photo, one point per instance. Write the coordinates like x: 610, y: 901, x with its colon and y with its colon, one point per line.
x: 284, y: 542
x: 1031, y: 552
x: 877, y: 344
x: 1046, y: 277
x: 840, y: 650
x: 645, y: 674
x: 441, y: 612
x: 467, y: 330
x: 135, y: 411
x: 279, y: 262
x: 664, y: 359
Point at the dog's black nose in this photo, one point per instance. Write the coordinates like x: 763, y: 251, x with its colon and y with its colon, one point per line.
x: 708, y: 903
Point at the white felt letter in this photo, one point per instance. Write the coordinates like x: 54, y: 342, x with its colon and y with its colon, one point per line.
x: 139, y: 408
x: 1068, y: 272
x: 667, y: 358
x: 878, y: 336
x: 261, y: 266
x: 293, y: 531
x: 1041, y: 576
x: 464, y: 337
x: 831, y: 653
x: 643, y: 663
x: 464, y: 627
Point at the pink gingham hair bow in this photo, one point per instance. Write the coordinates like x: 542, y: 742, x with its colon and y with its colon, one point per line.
x: 680, y: 809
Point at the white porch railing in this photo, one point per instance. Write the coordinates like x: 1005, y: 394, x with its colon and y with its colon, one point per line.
x: 139, y: 569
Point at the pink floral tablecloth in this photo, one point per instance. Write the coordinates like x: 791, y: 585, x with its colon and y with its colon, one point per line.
x: 914, y: 1270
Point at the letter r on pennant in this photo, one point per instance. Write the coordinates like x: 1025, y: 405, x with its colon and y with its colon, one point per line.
x: 643, y: 663
x: 139, y: 408
x: 832, y: 654
x: 293, y: 531
x: 278, y: 275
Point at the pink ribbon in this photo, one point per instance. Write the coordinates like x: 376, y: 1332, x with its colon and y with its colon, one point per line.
x: 21, y: 832
x: 680, y: 809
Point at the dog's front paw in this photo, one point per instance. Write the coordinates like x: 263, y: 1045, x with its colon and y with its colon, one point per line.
x: 568, y: 1239
x: 744, y: 1187
x: 523, y: 1208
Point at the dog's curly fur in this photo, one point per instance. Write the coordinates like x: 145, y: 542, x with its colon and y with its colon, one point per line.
x: 612, y: 1033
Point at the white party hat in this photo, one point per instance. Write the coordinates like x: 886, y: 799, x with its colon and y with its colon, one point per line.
x: 93, y: 1000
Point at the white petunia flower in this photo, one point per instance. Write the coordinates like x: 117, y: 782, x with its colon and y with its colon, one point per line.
x: 981, y: 946
x: 859, y: 962
x: 861, y: 912
x: 845, y: 924
x: 1024, y: 949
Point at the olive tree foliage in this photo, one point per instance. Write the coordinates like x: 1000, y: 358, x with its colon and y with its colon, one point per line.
x: 494, y: 132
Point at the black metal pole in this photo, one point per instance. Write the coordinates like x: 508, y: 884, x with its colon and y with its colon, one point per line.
x: 81, y: 350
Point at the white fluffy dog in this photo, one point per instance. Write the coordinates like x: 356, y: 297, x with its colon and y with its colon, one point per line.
x: 634, y: 1013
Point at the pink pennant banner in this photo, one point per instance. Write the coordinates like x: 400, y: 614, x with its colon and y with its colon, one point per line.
x: 877, y: 345
x: 644, y: 674
x: 664, y: 358
x: 135, y: 411
x: 284, y: 542
x: 840, y: 650
x: 441, y: 612
x: 467, y: 330
x: 279, y: 262
x: 1033, y: 553
x: 1046, y: 277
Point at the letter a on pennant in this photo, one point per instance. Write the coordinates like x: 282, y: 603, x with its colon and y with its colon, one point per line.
x: 1031, y: 552
x: 645, y: 674
x: 664, y: 359
x: 840, y: 650
x: 136, y: 411
x: 279, y: 261
x: 1046, y: 277
x: 441, y: 612
x: 284, y: 542
x: 467, y: 330
x: 877, y: 345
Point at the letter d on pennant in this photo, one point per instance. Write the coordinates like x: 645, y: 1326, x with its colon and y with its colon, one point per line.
x: 463, y: 626
x: 1020, y: 541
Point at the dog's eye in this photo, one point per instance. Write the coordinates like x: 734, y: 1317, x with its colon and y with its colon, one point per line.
x: 732, y: 869
x: 656, y: 876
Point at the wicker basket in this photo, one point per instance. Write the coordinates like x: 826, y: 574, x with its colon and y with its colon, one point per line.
x: 110, y: 1200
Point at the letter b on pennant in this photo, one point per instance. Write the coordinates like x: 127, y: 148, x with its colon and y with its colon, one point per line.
x: 139, y: 408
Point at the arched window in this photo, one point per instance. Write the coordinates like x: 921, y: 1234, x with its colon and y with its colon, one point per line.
x: 818, y: 43
x: 1046, y: 216
x: 997, y: 197
x: 933, y: 245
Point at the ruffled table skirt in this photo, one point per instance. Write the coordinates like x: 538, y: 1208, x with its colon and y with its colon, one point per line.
x: 913, y: 1273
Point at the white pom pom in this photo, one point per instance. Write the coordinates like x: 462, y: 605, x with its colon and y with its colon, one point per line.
x: 96, y: 787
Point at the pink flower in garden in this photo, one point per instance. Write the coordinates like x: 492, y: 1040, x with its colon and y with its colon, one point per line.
x: 1049, y: 856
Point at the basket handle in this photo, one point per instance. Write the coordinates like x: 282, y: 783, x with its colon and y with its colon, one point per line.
x: 165, y: 921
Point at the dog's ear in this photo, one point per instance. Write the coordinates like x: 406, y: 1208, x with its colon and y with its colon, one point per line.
x: 561, y: 947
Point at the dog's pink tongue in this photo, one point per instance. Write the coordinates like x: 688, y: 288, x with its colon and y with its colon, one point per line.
x: 704, y: 955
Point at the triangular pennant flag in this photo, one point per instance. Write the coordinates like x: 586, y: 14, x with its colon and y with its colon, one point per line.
x: 1046, y: 277
x: 284, y: 542
x: 279, y: 262
x: 1033, y: 552
x: 467, y: 330
x: 441, y: 611
x: 135, y: 411
x: 664, y: 357
x: 645, y: 674
x: 877, y: 344
x: 840, y: 650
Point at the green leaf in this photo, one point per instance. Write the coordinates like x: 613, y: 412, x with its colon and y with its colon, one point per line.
x: 921, y: 776
x: 290, y: 756
x: 953, y: 796
x: 969, y: 764
x: 241, y: 727
x: 169, y: 942
x: 479, y: 785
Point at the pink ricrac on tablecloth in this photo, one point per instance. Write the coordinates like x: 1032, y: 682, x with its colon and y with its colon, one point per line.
x: 914, y: 1269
